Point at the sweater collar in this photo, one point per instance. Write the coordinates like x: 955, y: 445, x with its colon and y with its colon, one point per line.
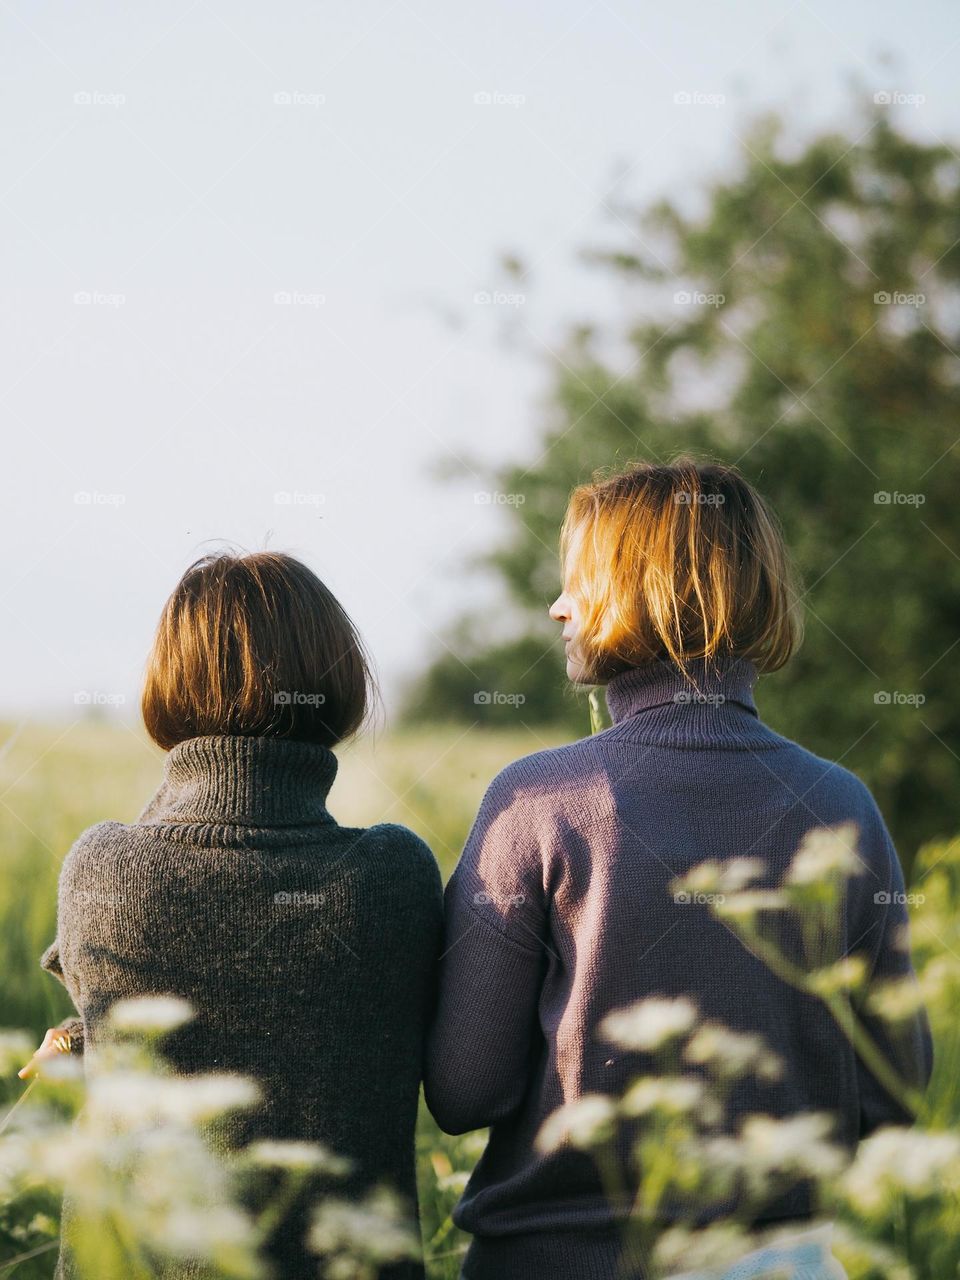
x: 256, y: 782
x: 661, y: 683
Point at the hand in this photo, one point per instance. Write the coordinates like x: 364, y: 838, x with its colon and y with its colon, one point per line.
x: 55, y: 1042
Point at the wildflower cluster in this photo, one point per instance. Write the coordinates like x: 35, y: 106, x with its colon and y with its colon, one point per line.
x: 669, y: 1136
x: 149, y: 1177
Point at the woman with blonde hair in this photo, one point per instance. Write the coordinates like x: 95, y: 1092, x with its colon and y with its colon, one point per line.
x: 677, y: 594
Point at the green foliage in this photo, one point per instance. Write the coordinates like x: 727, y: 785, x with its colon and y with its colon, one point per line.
x: 497, y: 686
x: 29, y: 1230
x: 443, y: 1167
x: 825, y: 396
x: 55, y: 781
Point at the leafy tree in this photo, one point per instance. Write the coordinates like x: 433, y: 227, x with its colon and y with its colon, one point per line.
x: 803, y: 324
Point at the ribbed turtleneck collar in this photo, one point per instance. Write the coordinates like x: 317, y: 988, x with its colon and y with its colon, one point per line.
x: 659, y: 684
x: 255, y: 782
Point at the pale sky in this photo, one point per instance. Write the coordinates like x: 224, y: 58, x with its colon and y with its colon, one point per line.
x: 242, y: 245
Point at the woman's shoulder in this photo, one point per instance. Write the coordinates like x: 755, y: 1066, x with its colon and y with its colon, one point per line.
x: 401, y: 846
x: 550, y: 770
x: 551, y: 764
x: 99, y: 838
x: 827, y: 781
x: 537, y: 797
x: 90, y: 860
x: 395, y: 836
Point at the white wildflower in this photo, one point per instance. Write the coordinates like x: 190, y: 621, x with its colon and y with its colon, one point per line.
x: 152, y: 1015
x: 900, y: 998
x: 16, y: 1048
x: 170, y: 1166
x: 16, y: 1152
x: 375, y: 1228
x: 49, y: 1155
x: 675, y: 1095
x: 825, y: 853
x: 848, y: 974
x: 900, y: 1160
x: 583, y: 1123
x: 767, y: 1145
x: 297, y: 1155
x: 204, y: 1230
x: 745, y: 905
x: 797, y: 1143
x: 721, y: 877
x: 42, y: 1224
x: 732, y: 1054
x: 713, y: 1246
x: 64, y: 1068
x: 648, y: 1024
x: 135, y: 1098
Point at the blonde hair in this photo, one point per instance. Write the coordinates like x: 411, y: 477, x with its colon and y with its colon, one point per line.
x: 677, y: 561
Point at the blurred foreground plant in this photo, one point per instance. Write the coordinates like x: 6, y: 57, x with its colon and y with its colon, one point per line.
x: 150, y: 1184
x: 895, y: 1201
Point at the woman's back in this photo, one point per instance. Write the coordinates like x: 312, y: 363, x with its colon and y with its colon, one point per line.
x: 564, y: 908
x: 306, y: 948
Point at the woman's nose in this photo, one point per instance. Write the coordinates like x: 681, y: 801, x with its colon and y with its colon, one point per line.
x: 558, y: 610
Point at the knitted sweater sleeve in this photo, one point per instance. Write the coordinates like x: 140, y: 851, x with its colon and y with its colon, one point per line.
x: 73, y: 1026
x: 906, y: 1044
x: 485, y: 1036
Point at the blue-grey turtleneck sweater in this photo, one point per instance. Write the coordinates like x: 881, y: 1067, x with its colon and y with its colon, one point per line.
x: 560, y: 910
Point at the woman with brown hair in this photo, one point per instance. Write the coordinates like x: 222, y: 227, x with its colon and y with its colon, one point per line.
x: 307, y: 949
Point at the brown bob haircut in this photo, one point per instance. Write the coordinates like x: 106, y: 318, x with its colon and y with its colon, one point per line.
x: 677, y: 561
x: 255, y: 646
